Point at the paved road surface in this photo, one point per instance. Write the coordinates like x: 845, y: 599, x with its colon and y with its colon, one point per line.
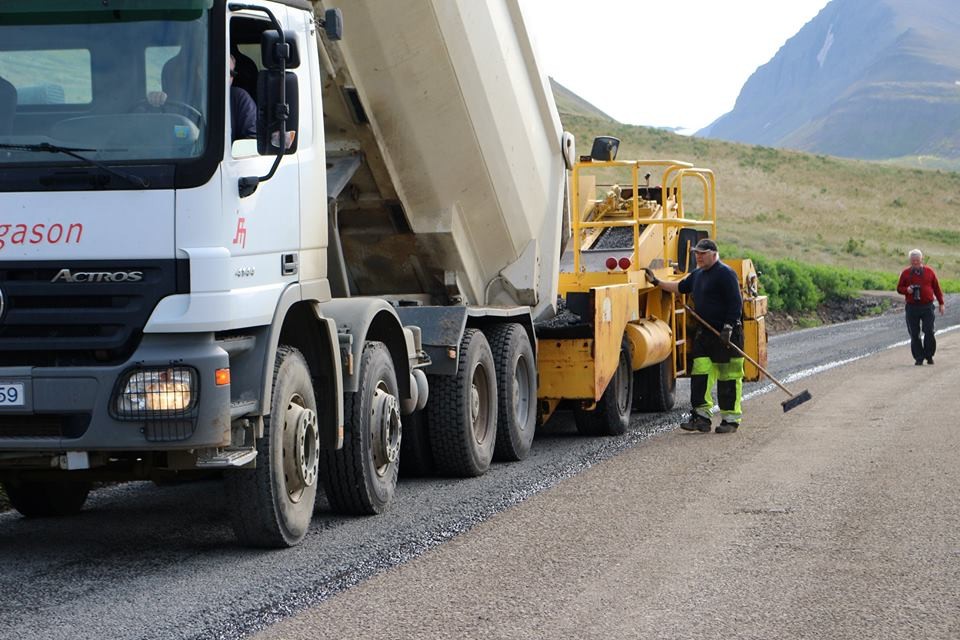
x: 147, y: 562
x: 837, y: 520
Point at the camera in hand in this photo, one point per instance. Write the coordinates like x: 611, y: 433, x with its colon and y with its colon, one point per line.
x: 916, y: 292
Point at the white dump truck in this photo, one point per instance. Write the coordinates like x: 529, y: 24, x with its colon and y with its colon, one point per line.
x: 175, y: 297
x: 297, y: 244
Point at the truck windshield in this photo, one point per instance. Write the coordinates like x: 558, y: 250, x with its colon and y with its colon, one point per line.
x: 125, y: 80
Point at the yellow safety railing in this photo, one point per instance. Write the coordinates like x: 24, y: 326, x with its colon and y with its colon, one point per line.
x: 674, y: 174
x: 708, y: 180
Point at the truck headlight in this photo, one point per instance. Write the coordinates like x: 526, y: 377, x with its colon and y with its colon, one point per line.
x: 148, y: 392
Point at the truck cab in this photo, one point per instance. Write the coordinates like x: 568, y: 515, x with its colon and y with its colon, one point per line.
x: 161, y: 275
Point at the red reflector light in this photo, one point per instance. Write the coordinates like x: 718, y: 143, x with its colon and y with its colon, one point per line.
x: 611, y: 263
x: 222, y: 377
x: 624, y: 263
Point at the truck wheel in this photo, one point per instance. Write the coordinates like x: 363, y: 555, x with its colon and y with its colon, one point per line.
x: 271, y: 505
x: 416, y: 459
x: 463, y: 411
x: 360, y: 478
x: 47, y: 498
x: 654, y: 388
x: 516, y: 391
x: 611, y: 417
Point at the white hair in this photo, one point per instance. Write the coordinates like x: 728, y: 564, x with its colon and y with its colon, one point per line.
x: 916, y: 253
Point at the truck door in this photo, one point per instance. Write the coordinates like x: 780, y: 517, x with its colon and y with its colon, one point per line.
x: 265, y: 225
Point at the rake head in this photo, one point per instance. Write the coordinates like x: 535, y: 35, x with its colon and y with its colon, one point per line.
x: 796, y: 400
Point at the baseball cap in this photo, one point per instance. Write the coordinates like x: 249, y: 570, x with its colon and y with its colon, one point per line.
x: 705, y: 244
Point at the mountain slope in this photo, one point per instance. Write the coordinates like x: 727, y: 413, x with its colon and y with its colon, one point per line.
x: 569, y: 103
x: 869, y: 79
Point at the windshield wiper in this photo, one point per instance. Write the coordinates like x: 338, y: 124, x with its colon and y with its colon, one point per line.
x: 46, y: 147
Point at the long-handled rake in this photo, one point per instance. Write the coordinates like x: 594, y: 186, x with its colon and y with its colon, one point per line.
x: 795, y: 398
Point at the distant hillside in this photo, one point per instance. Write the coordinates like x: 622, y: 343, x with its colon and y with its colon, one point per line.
x: 872, y: 79
x: 814, y: 208
x: 569, y: 103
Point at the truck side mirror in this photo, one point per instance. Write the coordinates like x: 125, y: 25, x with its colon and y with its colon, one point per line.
x: 273, y: 54
x: 333, y: 24
x: 278, y: 97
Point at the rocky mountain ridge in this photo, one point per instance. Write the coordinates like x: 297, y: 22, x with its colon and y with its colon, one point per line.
x: 870, y: 79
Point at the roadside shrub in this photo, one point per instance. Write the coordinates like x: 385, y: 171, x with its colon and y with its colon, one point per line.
x: 834, y: 283
x: 796, y: 287
x: 788, y: 284
x: 798, y: 292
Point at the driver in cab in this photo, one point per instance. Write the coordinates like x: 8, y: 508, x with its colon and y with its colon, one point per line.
x: 243, y: 110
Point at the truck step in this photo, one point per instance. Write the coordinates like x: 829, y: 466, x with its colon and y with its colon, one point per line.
x: 227, y: 458
x: 242, y: 408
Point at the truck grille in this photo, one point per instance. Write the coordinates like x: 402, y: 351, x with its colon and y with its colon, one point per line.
x: 44, y: 426
x: 63, y: 323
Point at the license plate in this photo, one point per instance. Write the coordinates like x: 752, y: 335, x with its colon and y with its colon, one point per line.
x: 11, y: 395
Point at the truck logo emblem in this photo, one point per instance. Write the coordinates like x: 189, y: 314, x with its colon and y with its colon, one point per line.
x: 65, y: 275
x: 241, y: 236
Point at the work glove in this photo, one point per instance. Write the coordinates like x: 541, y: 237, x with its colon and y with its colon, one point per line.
x: 725, y: 335
x: 652, y: 279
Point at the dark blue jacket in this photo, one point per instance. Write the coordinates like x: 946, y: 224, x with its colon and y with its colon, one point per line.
x: 243, y: 115
x: 716, y: 294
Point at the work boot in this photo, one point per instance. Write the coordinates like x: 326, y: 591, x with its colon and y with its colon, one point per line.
x: 727, y: 427
x: 696, y: 423
x: 918, y: 362
x: 929, y: 360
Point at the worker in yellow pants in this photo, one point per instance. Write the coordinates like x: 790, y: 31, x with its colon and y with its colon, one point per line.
x: 714, y: 363
x: 715, y: 290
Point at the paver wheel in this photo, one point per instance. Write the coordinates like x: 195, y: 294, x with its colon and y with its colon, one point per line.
x: 516, y: 390
x: 46, y: 498
x: 271, y: 505
x: 462, y: 411
x: 611, y: 416
x: 361, y: 477
x: 654, y: 388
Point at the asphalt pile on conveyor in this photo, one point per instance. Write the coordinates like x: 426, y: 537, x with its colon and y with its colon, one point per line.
x: 566, y: 324
x: 615, y: 238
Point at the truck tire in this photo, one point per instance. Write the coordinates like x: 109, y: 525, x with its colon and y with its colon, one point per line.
x: 271, y: 505
x: 47, y: 498
x: 516, y: 390
x: 462, y: 411
x: 654, y: 388
x: 416, y: 459
x: 361, y: 478
x: 611, y: 416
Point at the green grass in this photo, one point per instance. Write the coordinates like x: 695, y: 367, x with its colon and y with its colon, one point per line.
x: 808, y: 323
x: 814, y: 209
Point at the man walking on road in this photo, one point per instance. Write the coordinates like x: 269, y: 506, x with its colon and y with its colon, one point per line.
x: 919, y: 286
x: 716, y: 296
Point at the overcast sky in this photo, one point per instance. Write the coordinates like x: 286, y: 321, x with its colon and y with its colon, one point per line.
x: 593, y: 47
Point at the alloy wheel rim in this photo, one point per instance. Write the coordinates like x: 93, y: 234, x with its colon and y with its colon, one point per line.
x: 301, y: 447
x: 387, y: 429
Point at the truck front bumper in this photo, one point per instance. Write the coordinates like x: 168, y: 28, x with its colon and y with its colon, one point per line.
x: 76, y: 409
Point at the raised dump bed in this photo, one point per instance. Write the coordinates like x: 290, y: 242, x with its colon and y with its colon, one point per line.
x: 460, y: 194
